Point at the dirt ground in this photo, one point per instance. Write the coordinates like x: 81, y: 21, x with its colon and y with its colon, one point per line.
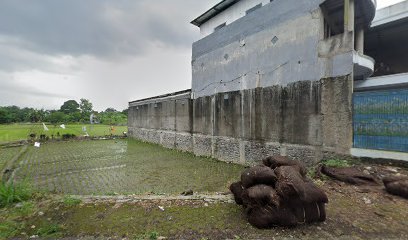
x: 353, y: 212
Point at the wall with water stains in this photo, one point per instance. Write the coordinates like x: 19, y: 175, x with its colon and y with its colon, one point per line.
x: 306, y: 120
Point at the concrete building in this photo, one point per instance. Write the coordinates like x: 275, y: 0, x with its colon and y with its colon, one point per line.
x: 270, y: 77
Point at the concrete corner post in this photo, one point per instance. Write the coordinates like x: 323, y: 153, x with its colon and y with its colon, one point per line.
x: 348, y: 15
x: 360, y: 41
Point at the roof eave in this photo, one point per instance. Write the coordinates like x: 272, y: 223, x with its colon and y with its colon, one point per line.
x: 212, y: 12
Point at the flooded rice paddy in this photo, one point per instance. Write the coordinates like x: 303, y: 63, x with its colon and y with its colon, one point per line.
x: 121, y: 167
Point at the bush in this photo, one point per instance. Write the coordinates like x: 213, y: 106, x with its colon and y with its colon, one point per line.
x: 68, y: 136
x: 13, y: 193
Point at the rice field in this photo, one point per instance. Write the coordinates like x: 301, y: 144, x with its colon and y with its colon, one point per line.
x: 121, y: 167
x: 17, y: 132
x: 7, y: 154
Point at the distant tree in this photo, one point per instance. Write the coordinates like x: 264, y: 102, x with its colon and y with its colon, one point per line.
x: 74, y: 117
x: 125, y: 112
x: 13, y: 113
x: 37, y: 116
x: 86, y: 108
x: 113, y: 118
x: 25, y: 114
x: 5, y: 116
x: 70, y: 106
x: 110, y: 110
x: 57, y: 117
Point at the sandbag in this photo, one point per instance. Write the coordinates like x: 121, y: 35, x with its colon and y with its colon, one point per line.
x: 260, y: 195
x: 397, y: 185
x: 312, y: 193
x: 262, y: 217
x: 395, y: 178
x: 322, y: 211
x: 278, y: 161
x: 280, y: 197
x: 312, y: 213
x: 289, y: 183
x: 258, y: 175
x: 237, y: 189
x: 286, y: 216
x: 349, y: 175
x: 269, y: 216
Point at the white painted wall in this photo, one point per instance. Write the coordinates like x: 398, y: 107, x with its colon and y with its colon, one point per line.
x: 233, y: 13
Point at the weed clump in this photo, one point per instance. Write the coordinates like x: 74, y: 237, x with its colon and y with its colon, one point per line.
x: 337, y: 163
x: 14, y: 192
x: 148, y: 236
x: 71, y: 201
x: 52, y: 230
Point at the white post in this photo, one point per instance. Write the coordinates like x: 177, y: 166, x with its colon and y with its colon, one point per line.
x: 360, y: 41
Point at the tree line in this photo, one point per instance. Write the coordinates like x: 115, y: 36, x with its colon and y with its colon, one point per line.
x: 70, y: 112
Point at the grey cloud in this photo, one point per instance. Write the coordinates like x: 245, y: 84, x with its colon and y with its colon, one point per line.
x: 7, y: 86
x: 100, y: 28
x: 141, y: 46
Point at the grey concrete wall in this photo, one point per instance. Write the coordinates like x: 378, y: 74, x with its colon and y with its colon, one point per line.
x: 166, y: 121
x: 306, y: 120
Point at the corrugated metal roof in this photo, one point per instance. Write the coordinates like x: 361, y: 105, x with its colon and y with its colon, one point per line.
x: 163, y: 96
x: 213, y: 12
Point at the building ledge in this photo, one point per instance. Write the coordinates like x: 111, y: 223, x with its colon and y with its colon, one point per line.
x: 382, y: 82
x: 363, y: 65
x: 378, y: 154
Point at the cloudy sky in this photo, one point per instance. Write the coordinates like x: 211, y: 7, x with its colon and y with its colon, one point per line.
x: 108, y: 51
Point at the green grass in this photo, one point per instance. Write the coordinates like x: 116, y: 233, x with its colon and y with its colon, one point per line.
x: 16, y: 132
x: 9, y: 229
x: 71, y: 201
x: 336, y: 163
x: 14, y: 192
x: 149, y: 222
x: 50, y: 230
x: 147, y: 236
x: 123, y: 167
x: 7, y: 154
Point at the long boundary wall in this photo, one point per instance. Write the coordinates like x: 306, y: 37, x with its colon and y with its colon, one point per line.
x: 303, y: 120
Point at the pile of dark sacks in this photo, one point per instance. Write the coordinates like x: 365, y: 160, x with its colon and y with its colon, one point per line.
x: 278, y: 193
x: 396, y: 185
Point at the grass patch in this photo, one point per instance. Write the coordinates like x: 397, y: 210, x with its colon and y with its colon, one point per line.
x: 9, y: 229
x: 148, y: 236
x: 26, y: 209
x: 311, y: 172
x: 52, y: 230
x: 71, y: 201
x: 336, y: 163
x: 14, y: 192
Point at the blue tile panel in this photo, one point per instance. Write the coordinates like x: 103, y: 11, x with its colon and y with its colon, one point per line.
x: 380, y: 120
